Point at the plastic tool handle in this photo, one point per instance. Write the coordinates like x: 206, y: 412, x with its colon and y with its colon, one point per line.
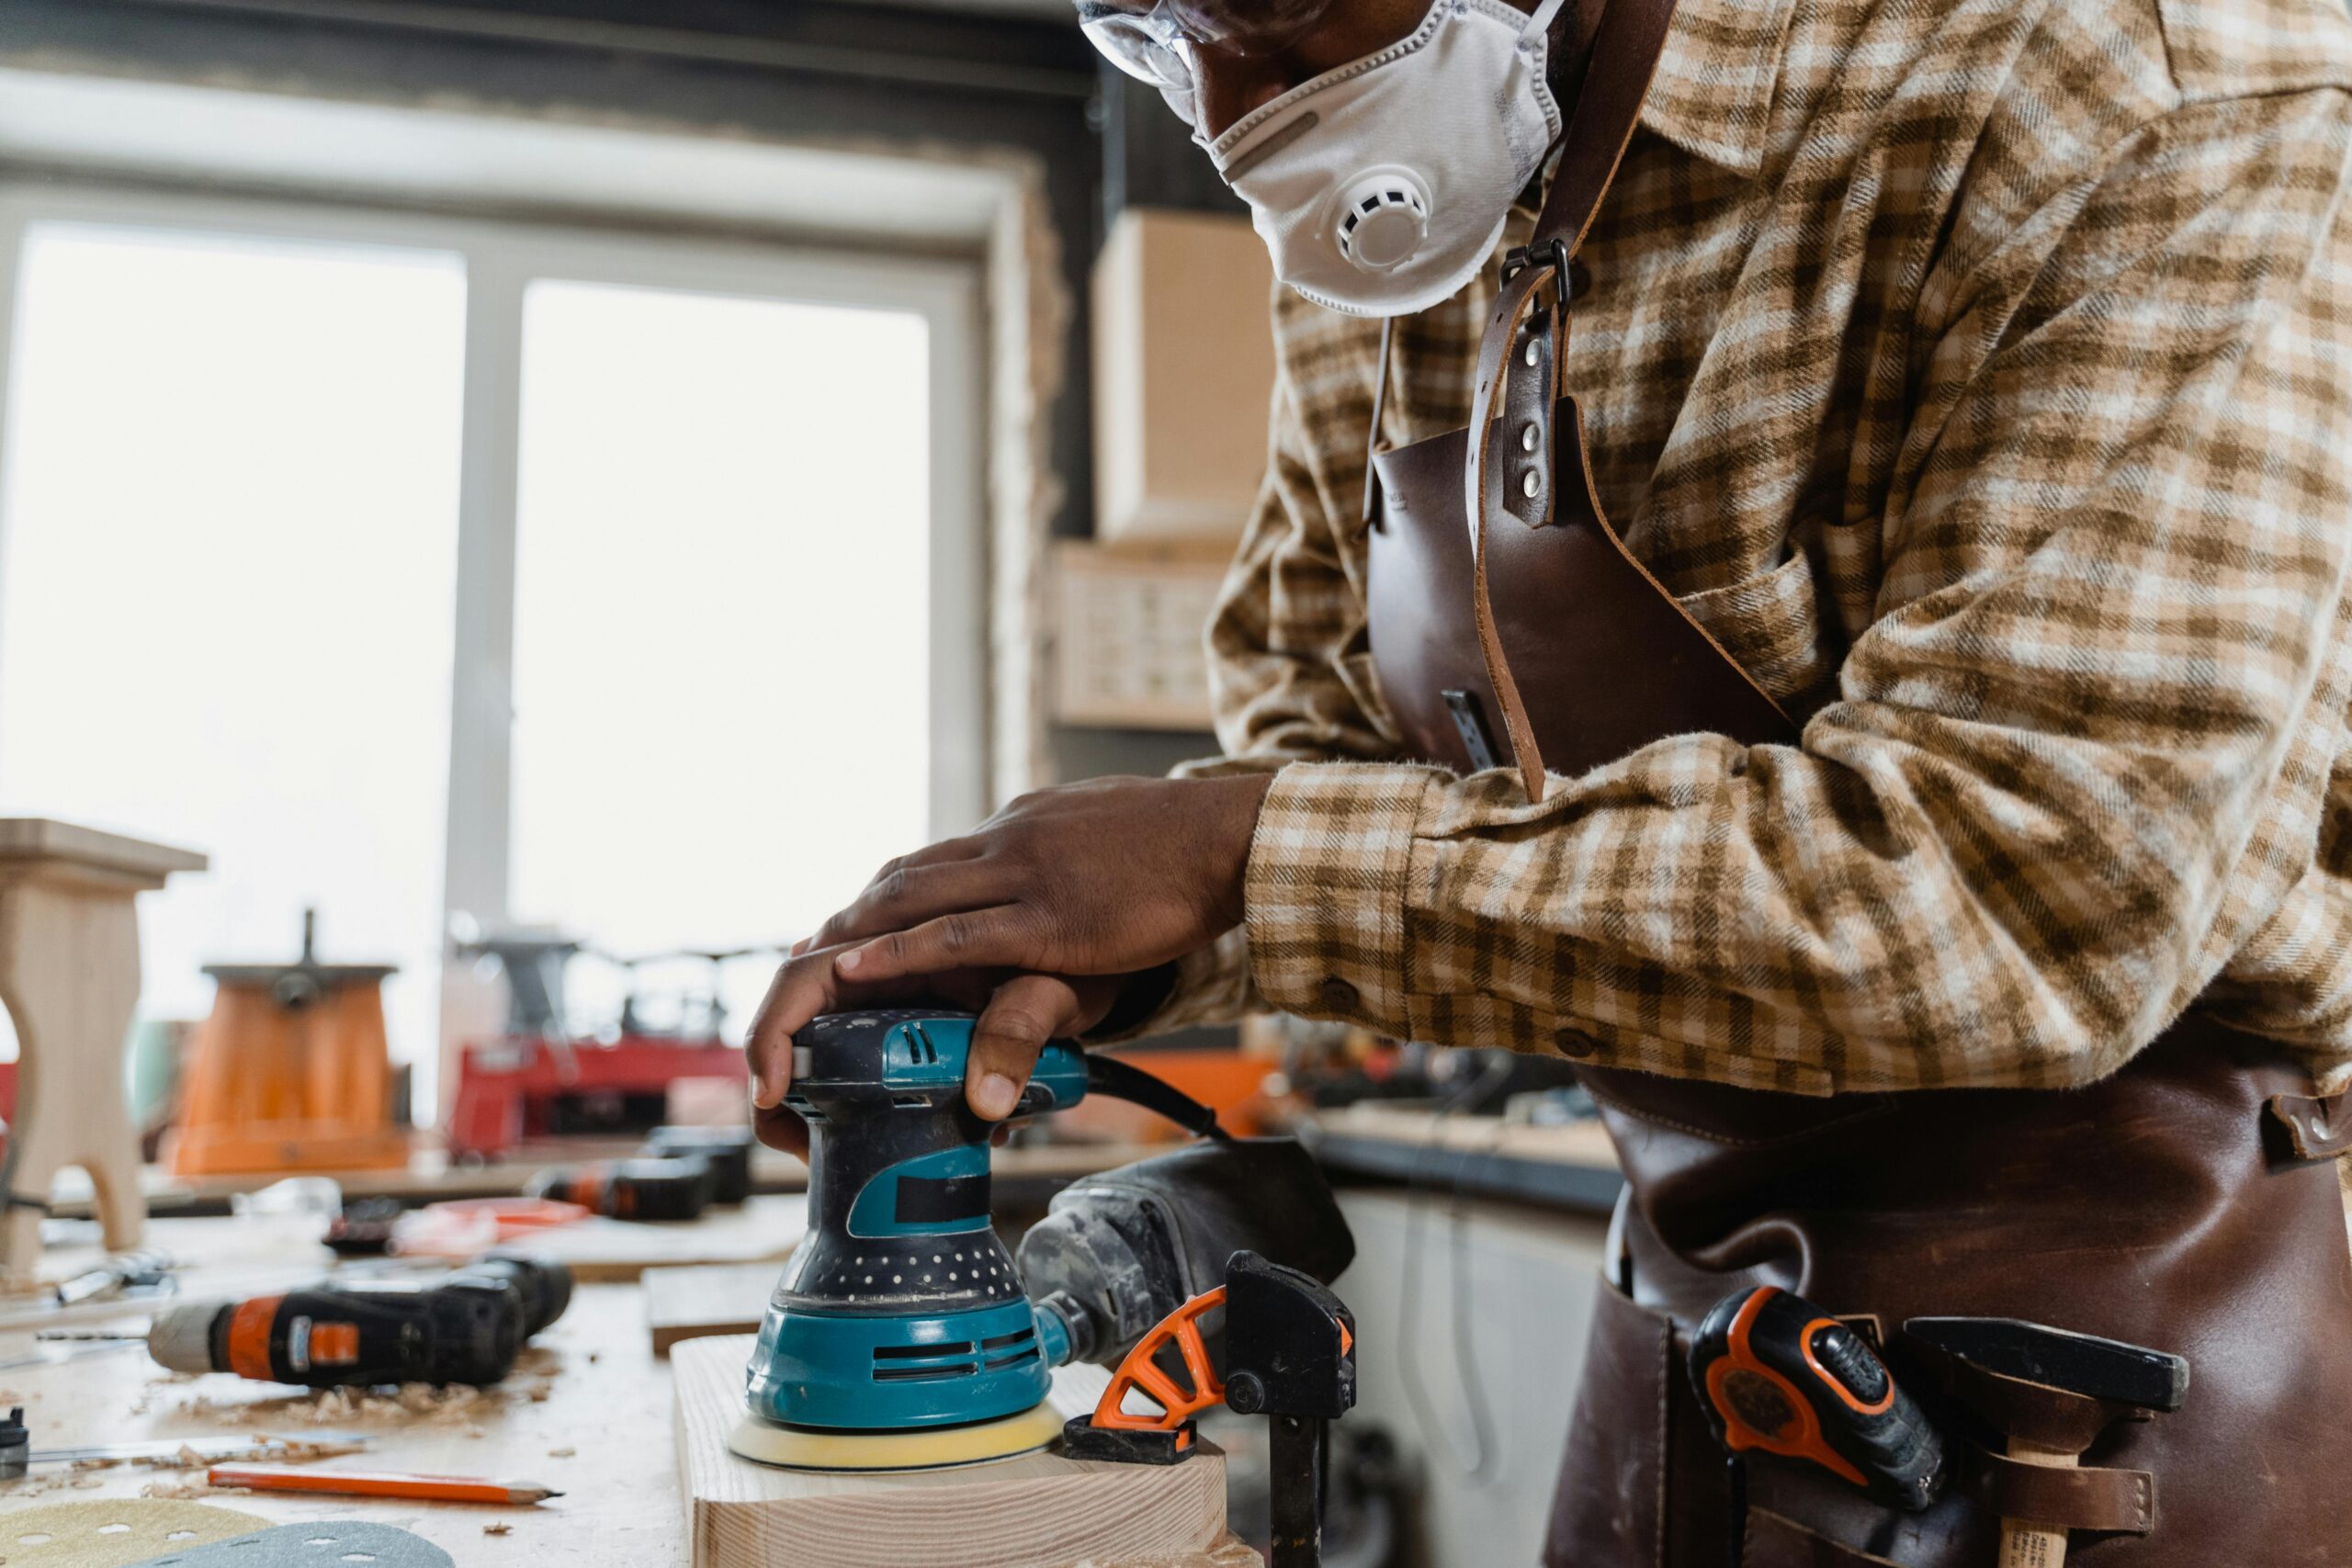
x: 1115, y: 1079
x: 1776, y: 1374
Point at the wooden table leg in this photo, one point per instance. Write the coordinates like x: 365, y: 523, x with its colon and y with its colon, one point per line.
x: 69, y: 977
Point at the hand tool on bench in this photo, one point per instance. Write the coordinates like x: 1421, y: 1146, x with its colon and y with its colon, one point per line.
x: 464, y: 1327
x: 129, y: 1273
x: 902, y: 1335
x: 2114, y: 1379
x: 644, y: 1188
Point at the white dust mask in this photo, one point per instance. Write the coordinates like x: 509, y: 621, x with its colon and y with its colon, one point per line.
x: 1383, y: 187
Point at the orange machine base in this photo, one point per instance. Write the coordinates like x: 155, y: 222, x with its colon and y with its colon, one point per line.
x: 282, y: 1148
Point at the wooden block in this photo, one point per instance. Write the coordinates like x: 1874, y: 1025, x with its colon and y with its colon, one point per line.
x: 1183, y: 375
x: 1038, y: 1511
x: 696, y: 1304
x: 1128, y: 646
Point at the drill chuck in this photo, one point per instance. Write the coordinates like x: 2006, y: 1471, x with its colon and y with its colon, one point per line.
x: 181, y: 1337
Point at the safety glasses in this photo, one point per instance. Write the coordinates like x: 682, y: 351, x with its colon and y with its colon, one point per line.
x: 1158, y: 40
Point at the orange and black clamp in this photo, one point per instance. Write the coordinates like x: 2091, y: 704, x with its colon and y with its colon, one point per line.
x: 1290, y: 1355
x: 1778, y: 1375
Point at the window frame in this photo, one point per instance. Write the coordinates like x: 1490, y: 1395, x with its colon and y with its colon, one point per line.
x: 500, y: 259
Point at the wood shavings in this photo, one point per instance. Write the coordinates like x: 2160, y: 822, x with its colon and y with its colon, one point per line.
x: 455, y: 1407
x: 561, y: 1453
x: 189, y: 1491
x: 263, y: 1447
x: 501, y: 1528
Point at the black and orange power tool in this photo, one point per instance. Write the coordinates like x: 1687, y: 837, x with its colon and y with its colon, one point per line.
x: 1778, y: 1375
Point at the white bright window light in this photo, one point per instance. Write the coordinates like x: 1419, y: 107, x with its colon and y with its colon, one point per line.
x: 722, y: 620
x: 228, y: 541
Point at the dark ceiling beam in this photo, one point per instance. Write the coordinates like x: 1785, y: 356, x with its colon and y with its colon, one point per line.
x: 968, y: 55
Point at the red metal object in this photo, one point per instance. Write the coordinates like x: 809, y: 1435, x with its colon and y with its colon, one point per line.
x: 508, y: 1087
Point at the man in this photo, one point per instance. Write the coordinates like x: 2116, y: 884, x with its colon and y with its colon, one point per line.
x: 1972, y: 376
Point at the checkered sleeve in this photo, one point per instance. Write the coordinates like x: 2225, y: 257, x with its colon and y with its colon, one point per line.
x: 2079, y: 753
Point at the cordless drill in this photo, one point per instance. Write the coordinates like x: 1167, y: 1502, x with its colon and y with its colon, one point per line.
x: 464, y: 1327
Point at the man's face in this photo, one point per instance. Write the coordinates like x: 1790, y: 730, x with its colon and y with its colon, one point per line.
x: 1231, y: 82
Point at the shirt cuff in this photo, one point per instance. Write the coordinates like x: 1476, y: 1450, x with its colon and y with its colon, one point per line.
x: 1325, y: 890
x: 1209, y: 985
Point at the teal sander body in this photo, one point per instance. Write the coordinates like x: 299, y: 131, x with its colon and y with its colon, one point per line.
x: 901, y: 1309
x: 902, y: 1312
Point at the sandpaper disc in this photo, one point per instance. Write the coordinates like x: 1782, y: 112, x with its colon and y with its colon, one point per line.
x: 311, y: 1545
x: 804, y: 1448
x: 102, y: 1533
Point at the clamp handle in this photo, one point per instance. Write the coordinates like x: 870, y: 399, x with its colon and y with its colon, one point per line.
x: 1290, y: 1355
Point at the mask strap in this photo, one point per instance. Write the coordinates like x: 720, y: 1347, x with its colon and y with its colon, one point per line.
x: 1540, y: 24
x: 1379, y: 403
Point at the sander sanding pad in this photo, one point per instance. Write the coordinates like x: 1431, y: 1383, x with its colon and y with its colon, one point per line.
x: 804, y: 1448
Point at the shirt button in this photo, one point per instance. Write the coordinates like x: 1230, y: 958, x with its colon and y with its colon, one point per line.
x: 1339, y: 995
x: 1575, y: 1042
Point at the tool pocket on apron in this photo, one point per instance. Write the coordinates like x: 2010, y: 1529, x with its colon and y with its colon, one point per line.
x: 1770, y: 1540
x: 1608, y: 1509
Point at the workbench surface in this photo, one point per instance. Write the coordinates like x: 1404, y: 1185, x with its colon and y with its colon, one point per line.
x: 1571, y: 1165
x: 587, y: 1412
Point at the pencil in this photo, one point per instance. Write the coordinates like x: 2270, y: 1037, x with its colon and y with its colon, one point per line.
x: 379, y: 1484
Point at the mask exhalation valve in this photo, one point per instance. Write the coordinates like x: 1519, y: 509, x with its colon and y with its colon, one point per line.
x: 1383, y: 217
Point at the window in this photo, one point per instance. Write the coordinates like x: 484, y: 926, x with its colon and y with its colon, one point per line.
x: 722, y: 627
x: 231, y: 505
x: 412, y: 567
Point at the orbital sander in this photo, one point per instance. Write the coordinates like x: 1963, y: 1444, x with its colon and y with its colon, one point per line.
x: 903, y: 1334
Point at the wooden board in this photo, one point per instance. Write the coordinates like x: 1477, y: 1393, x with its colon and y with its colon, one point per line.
x: 431, y: 1177
x: 1037, y: 1511
x: 602, y: 1251
x: 44, y: 837
x: 699, y: 1303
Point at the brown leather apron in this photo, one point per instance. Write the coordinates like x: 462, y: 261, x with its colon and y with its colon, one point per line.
x: 2188, y: 1202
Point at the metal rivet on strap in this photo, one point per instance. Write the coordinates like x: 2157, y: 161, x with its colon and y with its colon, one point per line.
x: 1529, y: 437
x: 1532, y: 350
x: 1533, y: 485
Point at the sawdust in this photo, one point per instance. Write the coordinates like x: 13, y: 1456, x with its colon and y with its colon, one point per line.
x: 282, y: 1451
x: 456, y: 1407
x: 190, y: 1490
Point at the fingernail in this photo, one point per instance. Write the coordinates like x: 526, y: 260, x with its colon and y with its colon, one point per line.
x: 849, y: 961
x: 760, y: 1094
x: 995, y: 1096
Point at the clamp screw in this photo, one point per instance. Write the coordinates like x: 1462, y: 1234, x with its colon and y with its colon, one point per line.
x: 1245, y: 1393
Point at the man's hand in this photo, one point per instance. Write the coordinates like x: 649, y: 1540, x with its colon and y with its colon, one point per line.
x: 1107, y: 877
x: 1018, y: 1014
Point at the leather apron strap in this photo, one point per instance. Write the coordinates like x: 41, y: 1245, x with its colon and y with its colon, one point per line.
x: 1525, y: 344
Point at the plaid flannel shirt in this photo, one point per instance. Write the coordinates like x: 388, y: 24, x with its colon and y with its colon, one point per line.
x: 1978, y: 374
